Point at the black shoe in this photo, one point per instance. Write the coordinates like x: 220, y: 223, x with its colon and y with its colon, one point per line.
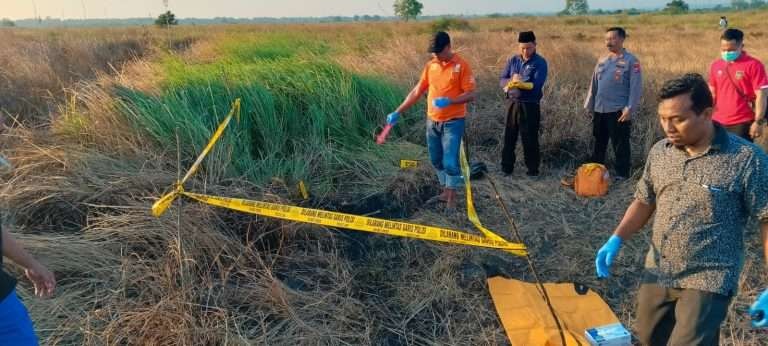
x: 507, y: 172
x: 532, y: 173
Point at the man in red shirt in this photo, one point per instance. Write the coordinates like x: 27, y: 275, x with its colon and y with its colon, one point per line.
x: 739, y: 86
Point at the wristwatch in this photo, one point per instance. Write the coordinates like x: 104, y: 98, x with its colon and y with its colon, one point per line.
x: 762, y: 121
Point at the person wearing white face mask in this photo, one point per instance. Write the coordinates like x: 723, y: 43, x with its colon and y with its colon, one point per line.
x: 739, y: 86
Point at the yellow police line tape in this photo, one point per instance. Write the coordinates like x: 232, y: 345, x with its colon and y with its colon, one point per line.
x: 335, y: 219
x: 471, y: 213
x: 405, y: 164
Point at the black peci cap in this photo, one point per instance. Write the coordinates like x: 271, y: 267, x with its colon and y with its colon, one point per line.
x: 526, y: 37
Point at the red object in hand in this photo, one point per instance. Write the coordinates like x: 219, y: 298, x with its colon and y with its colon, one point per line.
x: 382, y: 137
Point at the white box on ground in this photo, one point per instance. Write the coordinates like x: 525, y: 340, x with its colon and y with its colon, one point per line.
x: 609, y: 335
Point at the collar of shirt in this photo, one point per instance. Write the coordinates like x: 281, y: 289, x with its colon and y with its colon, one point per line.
x: 534, y: 58
x: 519, y: 58
x: 719, y: 142
x: 742, y: 57
x: 454, y: 59
x: 621, y: 55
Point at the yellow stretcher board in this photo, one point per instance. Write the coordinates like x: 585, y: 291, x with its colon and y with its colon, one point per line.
x: 527, y: 319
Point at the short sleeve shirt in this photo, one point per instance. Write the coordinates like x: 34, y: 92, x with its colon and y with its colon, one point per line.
x: 734, y: 85
x: 446, y: 79
x: 617, y: 83
x: 703, y: 203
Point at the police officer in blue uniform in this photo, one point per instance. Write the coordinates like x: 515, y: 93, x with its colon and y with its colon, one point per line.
x: 613, y: 98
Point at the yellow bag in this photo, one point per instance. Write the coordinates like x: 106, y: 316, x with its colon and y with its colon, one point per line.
x: 528, y: 321
x: 592, y: 180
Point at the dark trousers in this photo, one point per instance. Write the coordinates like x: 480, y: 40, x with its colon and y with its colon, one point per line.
x: 676, y: 316
x: 605, y: 127
x: 741, y: 130
x: 523, y: 118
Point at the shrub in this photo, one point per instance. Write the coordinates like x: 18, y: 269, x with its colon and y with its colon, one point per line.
x: 448, y: 23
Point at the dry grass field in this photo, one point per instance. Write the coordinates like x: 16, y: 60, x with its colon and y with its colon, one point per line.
x: 100, y: 122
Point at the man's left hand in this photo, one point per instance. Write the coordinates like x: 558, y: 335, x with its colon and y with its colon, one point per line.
x: 626, y: 115
x: 755, y: 131
x: 441, y: 102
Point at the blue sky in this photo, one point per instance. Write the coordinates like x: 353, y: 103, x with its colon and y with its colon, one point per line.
x: 17, y: 9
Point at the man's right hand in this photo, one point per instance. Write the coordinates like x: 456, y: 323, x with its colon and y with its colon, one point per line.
x: 393, y: 117
x: 42, y: 279
x: 626, y: 115
x: 606, y: 255
x: 756, y: 130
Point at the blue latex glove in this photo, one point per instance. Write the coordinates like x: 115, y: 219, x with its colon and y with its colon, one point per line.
x: 393, y: 117
x: 606, y: 255
x: 441, y: 102
x: 760, y: 309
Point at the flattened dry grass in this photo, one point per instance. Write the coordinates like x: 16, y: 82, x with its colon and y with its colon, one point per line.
x: 81, y: 191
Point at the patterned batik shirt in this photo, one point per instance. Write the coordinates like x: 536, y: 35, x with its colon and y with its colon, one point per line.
x: 703, y: 203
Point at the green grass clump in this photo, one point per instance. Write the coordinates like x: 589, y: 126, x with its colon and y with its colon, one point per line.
x: 303, y: 116
x: 271, y: 47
